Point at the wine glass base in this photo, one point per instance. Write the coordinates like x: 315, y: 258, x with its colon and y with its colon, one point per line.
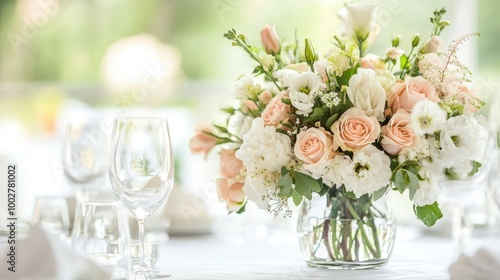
x: 147, y: 274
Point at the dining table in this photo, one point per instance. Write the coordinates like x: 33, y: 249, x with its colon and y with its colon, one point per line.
x: 417, y: 254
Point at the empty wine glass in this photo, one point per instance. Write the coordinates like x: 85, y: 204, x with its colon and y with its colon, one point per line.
x: 142, y: 171
x: 84, y: 157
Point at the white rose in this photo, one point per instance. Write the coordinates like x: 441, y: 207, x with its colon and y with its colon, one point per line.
x: 427, y: 117
x: 432, y: 45
x: 369, y: 171
x: 367, y: 94
x: 240, y: 123
x: 358, y: 19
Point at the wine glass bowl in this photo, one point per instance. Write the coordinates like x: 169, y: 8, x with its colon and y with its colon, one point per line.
x: 84, y: 157
x: 141, y: 169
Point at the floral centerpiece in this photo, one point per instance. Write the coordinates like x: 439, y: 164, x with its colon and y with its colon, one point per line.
x: 347, y: 126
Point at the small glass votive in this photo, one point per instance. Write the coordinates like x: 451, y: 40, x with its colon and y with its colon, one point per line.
x: 51, y: 213
x: 150, y: 253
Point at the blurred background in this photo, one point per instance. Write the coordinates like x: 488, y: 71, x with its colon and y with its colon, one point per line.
x: 60, y: 57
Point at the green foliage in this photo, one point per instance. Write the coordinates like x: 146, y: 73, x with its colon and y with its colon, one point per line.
x: 428, y: 214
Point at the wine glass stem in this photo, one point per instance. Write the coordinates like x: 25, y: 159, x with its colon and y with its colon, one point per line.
x: 460, y: 228
x: 142, y: 263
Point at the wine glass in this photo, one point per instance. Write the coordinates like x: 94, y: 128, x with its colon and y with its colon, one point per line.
x: 142, y: 171
x: 84, y: 157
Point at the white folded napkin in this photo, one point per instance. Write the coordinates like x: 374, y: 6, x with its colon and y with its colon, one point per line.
x: 483, y: 265
x: 42, y: 256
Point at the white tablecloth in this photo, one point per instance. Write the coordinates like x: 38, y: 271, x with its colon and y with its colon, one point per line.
x: 415, y: 256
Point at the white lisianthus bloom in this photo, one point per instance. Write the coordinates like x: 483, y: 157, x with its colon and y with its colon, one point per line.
x: 333, y: 173
x: 367, y: 94
x: 303, y: 89
x: 426, y: 193
x: 339, y: 61
x: 286, y: 76
x: 245, y: 88
x: 267, y: 61
x: 427, y: 117
x: 419, y: 151
x: 368, y: 172
x: 264, y: 149
x: 463, y: 138
x: 358, y: 19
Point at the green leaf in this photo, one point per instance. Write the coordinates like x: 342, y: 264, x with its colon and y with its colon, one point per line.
x: 413, y: 184
x: 284, y: 171
x: 332, y: 120
x: 305, y: 183
x: 285, y: 185
x: 229, y: 110
x: 308, y: 195
x: 297, y: 198
x: 242, y: 209
x: 399, y: 180
x: 428, y: 214
x: 403, y: 62
x: 222, y: 140
x: 350, y: 195
x: 221, y: 128
x: 379, y: 193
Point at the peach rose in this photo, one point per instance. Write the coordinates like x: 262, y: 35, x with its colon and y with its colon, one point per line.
x: 398, y: 134
x: 201, y: 141
x: 372, y: 61
x: 265, y: 96
x: 276, y: 111
x: 270, y: 40
x: 230, y: 165
x: 248, y: 105
x: 298, y: 67
x: 405, y: 94
x: 314, y: 146
x: 354, y: 130
x: 231, y: 192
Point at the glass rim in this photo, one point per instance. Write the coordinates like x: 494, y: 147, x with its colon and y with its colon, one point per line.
x: 100, y: 202
x: 140, y: 118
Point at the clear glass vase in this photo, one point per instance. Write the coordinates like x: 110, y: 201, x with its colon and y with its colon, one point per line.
x: 339, y: 232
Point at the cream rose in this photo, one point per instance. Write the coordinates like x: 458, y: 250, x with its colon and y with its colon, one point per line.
x: 314, y: 146
x: 367, y: 94
x: 398, y: 134
x: 405, y: 94
x: 276, y: 111
x: 433, y: 45
x: 230, y: 192
x: 202, y: 143
x: 372, y: 61
x: 230, y: 165
x: 354, y: 130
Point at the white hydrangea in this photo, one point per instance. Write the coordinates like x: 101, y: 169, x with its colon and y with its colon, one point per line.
x: 426, y: 193
x: 333, y: 173
x: 368, y: 172
x: 427, y: 117
x: 264, y: 149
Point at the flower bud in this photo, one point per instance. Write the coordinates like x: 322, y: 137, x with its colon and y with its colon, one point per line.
x: 416, y: 40
x: 432, y: 45
x: 270, y: 40
x: 310, y: 53
x: 395, y: 40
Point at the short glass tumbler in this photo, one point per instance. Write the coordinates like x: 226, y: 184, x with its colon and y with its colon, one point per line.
x: 101, y: 233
